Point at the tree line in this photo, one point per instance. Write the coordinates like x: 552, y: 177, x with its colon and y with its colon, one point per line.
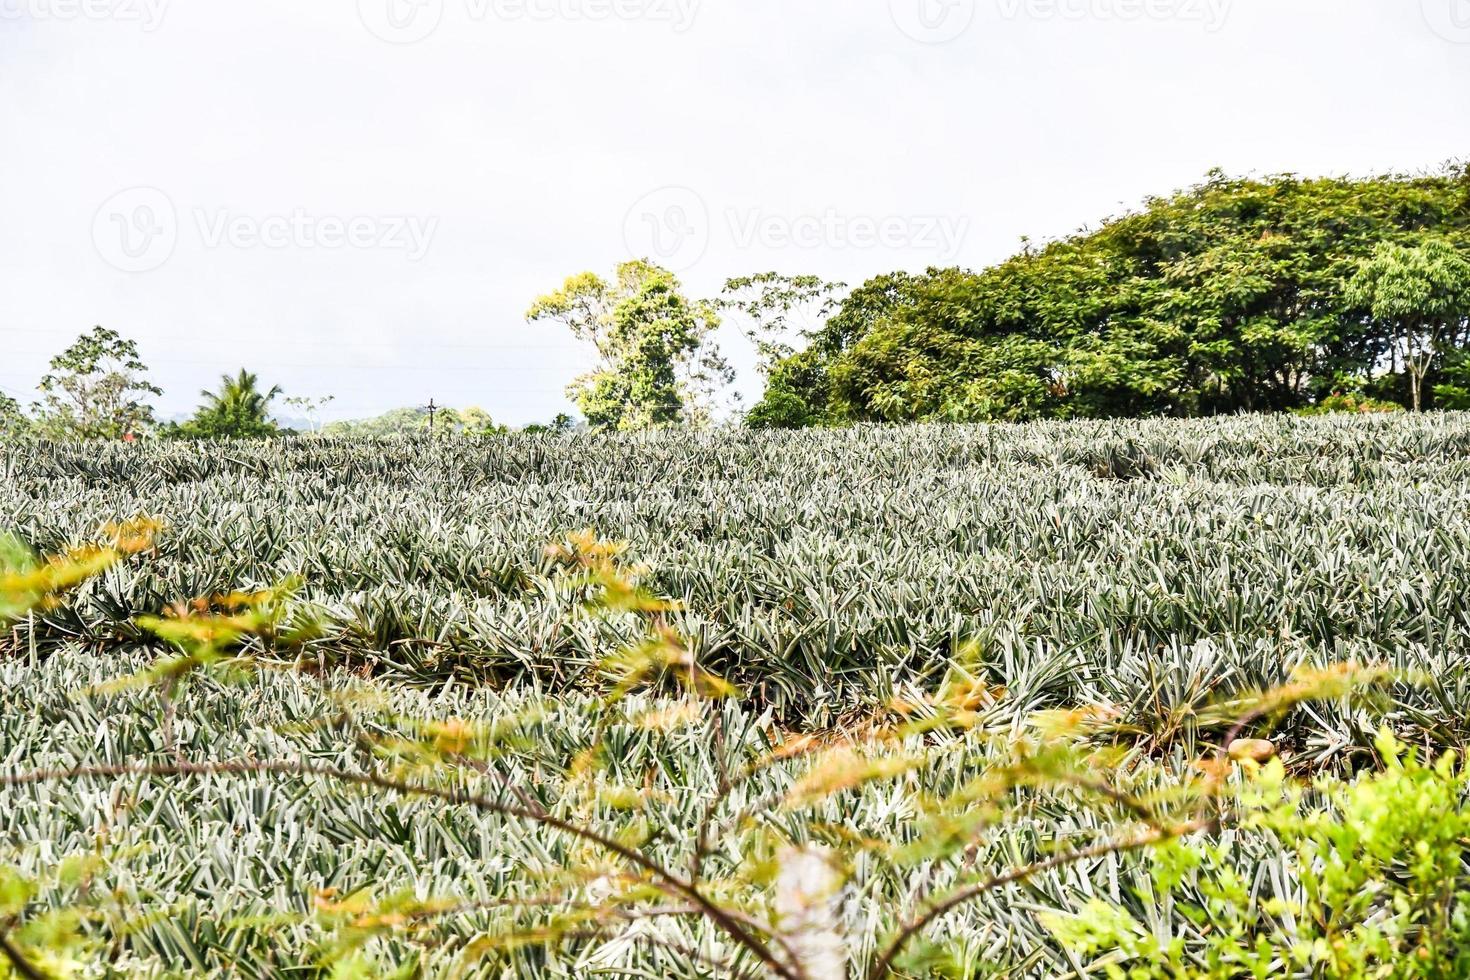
x: 98, y: 388
x: 1235, y: 295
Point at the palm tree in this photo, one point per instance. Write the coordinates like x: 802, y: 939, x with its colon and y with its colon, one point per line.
x: 239, y: 410
x: 240, y: 397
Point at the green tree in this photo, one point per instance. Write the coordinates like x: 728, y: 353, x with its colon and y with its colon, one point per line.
x: 781, y: 408
x: 657, y: 360
x: 1453, y: 393
x: 782, y: 316
x: 472, y: 421
x: 778, y: 312
x: 1421, y: 293
x: 311, y: 408
x: 238, y: 410
x: 96, y: 390
x: 560, y: 425
x: 799, y: 386
x: 13, y: 421
x: 1229, y: 296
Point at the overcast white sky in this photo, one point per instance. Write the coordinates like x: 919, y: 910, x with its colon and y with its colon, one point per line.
x: 361, y: 197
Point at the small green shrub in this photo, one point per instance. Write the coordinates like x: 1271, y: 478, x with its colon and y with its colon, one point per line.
x: 1353, y: 403
x: 1372, y: 881
x: 781, y: 408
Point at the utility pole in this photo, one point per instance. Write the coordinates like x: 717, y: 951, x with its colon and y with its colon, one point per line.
x: 433, y: 410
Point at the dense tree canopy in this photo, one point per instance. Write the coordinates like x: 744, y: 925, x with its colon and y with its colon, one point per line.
x: 1233, y: 295
x: 13, y: 421
x: 1420, y: 295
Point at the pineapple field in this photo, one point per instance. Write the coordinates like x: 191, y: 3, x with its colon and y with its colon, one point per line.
x: 419, y: 690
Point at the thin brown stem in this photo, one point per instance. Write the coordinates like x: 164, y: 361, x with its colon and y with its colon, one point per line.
x: 23, y: 967
x: 721, y: 917
x: 728, y: 785
x: 689, y: 953
x: 170, y: 714
x: 1106, y: 790
x: 884, y: 966
x: 520, y: 793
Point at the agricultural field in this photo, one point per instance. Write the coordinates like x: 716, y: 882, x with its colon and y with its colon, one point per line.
x: 1144, y: 572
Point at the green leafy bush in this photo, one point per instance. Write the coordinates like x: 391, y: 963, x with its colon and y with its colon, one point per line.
x: 1352, y: 403
x: 1371, y: 881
